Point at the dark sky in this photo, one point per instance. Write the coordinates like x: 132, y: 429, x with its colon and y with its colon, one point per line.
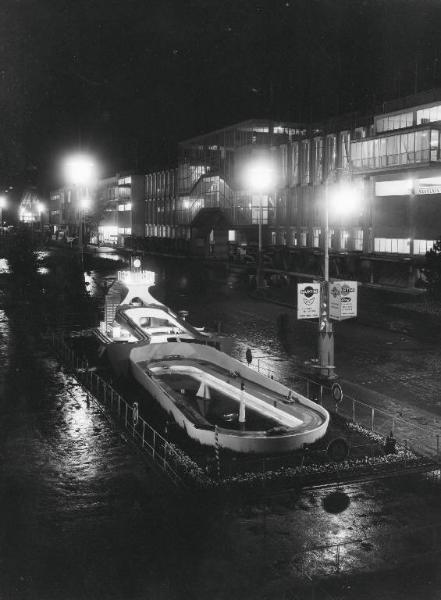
x: 128, y: 79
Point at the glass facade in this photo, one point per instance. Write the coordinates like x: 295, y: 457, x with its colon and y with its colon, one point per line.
x: 392, y: 245
x: 392, y: 122
x: 428, y: 115
x: 395, y: 150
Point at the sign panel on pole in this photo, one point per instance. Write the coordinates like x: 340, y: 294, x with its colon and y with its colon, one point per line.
x: 308, y: 300
x: 343, y: 300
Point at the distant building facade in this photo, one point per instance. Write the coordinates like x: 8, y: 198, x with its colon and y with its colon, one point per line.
x: 380, y: 177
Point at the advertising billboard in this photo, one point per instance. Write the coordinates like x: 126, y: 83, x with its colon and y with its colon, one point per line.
x: 343, y: 300
x: 308, y: 300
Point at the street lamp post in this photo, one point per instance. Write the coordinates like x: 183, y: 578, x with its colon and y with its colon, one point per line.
x: 84, y: 204
x: 80, y: 172
x: 347, y: 202
x: 260, y: 179
x: 2, y: 206
x: 326, y: 330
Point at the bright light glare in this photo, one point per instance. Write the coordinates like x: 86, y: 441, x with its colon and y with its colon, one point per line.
x: 79, y: 170
x: 260, y: 176
x: 40, y: 208
x: 345, y: 200
x: 2, y: 201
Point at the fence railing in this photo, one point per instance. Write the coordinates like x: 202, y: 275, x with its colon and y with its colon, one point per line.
x: 179, y: 468
x: 424, y: 441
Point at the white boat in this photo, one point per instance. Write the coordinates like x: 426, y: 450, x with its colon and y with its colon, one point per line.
x: 137, y: 316
x: 216, y: 399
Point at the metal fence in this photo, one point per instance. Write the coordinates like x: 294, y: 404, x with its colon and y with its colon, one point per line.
x: 179, y: 468
x: 424, y: 441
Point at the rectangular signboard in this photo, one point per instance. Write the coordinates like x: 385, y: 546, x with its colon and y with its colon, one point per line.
x: 343, y: 300
x: 308, y: 300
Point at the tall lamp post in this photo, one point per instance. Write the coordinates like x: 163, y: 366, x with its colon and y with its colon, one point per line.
x: 80, y: 172
x: 326, y: 330
x: 2, y: 206
x: 346, y: 202
x: 40, y: 210
x: 84, y: 205
x: 260, y: 179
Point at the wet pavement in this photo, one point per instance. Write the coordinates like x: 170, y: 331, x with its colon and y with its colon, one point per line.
x: 83, y: 516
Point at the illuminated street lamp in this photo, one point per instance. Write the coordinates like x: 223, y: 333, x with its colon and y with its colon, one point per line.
x: 345, y: 201
x: 260, y: 179
x: 40, y: 210
x: 2, y: 206
x: 80, y: 171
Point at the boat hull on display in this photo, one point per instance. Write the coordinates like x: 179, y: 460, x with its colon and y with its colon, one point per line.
x: 216, y: 399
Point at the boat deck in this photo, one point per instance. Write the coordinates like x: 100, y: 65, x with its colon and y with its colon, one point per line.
x: 273, y: 408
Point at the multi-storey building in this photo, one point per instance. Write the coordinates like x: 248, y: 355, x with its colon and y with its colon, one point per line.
x: 106, y: 202
x: 130, y: 204
x: 379, y: 176
x: 160, y: 204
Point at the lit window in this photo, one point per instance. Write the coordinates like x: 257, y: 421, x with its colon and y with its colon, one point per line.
x: 394, y: 246
x: 120, y: 207
x: 422, y: 246
x: 344, y: 237
x: 231, y: 235
x: 358, y: 239
x: 316, y: 237
x: 128, y: 206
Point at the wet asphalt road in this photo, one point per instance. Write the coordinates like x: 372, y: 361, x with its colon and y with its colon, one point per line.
x: 83, y: 517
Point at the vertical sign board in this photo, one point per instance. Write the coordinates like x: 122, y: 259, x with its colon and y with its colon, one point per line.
x: 308, y: 300
x: 342, y: 300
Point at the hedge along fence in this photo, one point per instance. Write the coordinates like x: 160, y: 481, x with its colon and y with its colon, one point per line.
x: 184, y: 472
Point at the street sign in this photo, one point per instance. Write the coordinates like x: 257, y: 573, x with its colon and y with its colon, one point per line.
x: 308, y: 300
x: 343, y: 300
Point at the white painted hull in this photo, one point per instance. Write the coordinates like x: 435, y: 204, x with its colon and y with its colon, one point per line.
x: 257, y: 442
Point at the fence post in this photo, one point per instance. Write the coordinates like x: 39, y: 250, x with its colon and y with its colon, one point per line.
x: 307, y: 388
x: 321, y: 395
x: 119, y: 406
x: 127, y: 408
x: 372, y: 418
x: 154, y: 444
x: 437, y: 445
x: 143, y: 433
x: 353, y: 410
x: 216, y: 450
x: 165, y: 456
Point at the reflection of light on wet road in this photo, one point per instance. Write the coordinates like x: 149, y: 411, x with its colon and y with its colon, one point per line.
x: 41, y: 254
x: 43, y: 270
x: 4, y: 265
x: 77, y: 416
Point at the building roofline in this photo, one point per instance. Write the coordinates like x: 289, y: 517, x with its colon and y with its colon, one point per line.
x: 280, y: 122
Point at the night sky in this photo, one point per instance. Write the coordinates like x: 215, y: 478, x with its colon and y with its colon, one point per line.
x: 127, y: 80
